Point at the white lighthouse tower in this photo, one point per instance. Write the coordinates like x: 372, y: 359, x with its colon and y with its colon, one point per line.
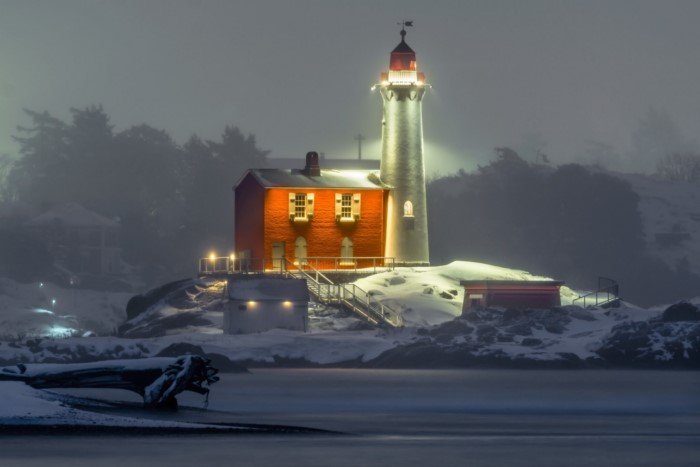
x: 402, y: 169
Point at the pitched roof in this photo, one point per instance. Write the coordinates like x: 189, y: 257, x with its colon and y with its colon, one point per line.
x: 293, y: 178
x: 403, y: 48
x: 346, y: 163
x: 73, y: 215
x: 268, y: 288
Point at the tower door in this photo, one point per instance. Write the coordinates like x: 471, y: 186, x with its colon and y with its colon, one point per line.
x: 278, y: 256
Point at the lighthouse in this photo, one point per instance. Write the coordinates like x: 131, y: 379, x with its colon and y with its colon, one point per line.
x: 402, y: 167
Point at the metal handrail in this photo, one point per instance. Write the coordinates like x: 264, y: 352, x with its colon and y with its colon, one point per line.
x: 228, y: 265
x: 358, y: 300
x: 611, y: 293
x: 351, y: 296
x: 300, y: 268
x: 344, y: 263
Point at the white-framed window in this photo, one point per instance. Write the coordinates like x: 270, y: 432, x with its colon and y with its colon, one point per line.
x: 408, y: 209
x: 347, y: 207
x: 301, y: 206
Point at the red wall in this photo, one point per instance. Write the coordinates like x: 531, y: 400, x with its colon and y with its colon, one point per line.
x: 323, y: 233
x: 514, y: 296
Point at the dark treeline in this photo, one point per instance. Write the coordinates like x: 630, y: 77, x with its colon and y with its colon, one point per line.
x: 568, y: 222
x: 174, y: 202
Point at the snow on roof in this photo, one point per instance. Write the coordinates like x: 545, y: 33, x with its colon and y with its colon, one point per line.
x: 345, y: 163
x: 268, y: 288
x: 292, y: 178
x: 521, y: 282
x: 73, y: 215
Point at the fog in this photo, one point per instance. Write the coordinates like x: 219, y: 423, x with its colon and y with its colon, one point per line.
x: 561, y: 77
x: 148, y: 113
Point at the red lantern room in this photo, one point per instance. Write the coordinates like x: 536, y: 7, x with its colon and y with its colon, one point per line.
x: 403, y: 58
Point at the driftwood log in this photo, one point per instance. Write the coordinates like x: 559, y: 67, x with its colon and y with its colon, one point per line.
x: 157, y: 380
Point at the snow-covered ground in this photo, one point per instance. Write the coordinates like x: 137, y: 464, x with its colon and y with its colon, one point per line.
x: 44, y: 309
x: 23, y: 405
x: 433, y: 295
x: 430, y: 300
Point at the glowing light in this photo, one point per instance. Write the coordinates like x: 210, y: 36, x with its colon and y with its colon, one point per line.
x: 403, y: 76
x: 42, y: 311
x: 53, y: 302
x: 252, y: 303
x: 233, y: 257
x: 59, y: 331
x: 212, y: 256
x: 41, y: 284
x: 287, y: 304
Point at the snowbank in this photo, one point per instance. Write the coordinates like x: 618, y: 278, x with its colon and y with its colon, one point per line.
x: 23, y: 405
x: 432, y: 295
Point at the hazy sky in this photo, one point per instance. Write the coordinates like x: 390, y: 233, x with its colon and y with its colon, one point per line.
x: 298, y: 73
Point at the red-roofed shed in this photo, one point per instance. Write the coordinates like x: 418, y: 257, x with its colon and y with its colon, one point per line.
x: 518, y: 294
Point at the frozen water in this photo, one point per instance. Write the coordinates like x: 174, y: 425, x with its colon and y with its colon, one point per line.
x: 415, y: 418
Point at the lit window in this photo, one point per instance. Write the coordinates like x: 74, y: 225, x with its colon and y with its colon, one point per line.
x: 408, y: 209
x: 300, y: 205
x: 346, y: 206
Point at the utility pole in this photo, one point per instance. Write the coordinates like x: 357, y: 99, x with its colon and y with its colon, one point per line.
x: 359, y: 139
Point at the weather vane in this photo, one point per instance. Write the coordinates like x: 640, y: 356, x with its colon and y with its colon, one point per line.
x: 404, y: 25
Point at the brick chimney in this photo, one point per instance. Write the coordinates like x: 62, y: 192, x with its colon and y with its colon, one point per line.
x: 312, y: 168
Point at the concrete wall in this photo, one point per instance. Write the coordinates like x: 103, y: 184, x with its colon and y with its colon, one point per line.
x: 403, y: 169
x: 245, y: 317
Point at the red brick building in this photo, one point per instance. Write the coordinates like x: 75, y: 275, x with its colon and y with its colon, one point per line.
x: 328, y: 218
x: 352, y: 218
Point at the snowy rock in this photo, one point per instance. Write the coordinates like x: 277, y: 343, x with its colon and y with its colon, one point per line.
x: 653, y: 343
x: 682, y: 311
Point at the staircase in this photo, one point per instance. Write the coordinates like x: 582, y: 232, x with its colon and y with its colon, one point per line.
x: 606, y: 296
x: 347, y: 296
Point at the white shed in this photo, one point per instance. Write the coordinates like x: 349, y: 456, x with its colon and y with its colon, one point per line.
x: 258, y: 304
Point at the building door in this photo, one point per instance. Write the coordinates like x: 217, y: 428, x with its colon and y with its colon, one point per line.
x: 346, y: 255
x: 278, y: 256
x: 300, y: 253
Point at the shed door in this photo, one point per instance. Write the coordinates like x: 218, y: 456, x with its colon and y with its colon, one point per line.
x: 278, y: 256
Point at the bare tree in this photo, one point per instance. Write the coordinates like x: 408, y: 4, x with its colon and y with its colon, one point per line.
x: 680, y: 167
